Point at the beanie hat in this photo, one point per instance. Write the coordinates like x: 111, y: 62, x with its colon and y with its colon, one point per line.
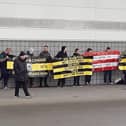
x: 22, y: 53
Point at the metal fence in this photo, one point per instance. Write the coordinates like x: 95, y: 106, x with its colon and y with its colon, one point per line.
x: 55, y: 46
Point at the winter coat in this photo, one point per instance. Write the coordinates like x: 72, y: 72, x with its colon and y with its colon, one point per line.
x: 45, y: 55
x: 20, y: 69
x: 61, y: 54
x: 76, y: 54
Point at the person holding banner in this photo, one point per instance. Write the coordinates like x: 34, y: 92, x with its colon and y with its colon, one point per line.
x: 108, y: 73
x: 122, y: 67
x: 77, y: 78
x: 30, y: 54
x: 62, y: 54
x: 4, y: 57
x: 87, y: 75
x: 21, y: 77
x: 45, y: 54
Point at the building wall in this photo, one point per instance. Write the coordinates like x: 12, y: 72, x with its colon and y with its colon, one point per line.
x: 63, y: 19
x: 105, y: 10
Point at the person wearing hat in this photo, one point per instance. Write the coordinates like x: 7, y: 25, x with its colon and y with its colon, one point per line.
x: 21, y: 76
x: 62, y: 54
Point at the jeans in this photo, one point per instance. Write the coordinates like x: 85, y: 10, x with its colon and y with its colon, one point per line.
x: 87, y: 79
x: 5, y: 76
x: 108, y: 75
x: 76, y: 80
x: 61, y: 82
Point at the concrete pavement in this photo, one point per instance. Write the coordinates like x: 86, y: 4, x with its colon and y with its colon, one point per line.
x: 69, y: 106
x: 65, y: 95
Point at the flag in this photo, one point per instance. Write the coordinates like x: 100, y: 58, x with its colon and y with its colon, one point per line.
x: 104, y: 60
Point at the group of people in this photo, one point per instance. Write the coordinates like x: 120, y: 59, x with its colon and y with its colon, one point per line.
x: 20, y: 69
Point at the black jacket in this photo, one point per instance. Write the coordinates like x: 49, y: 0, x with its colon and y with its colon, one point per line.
x: 76, y: 54
x: 61, y: 54
x: 45, y: 55
x: 20, y: 69
x: 3, y: 64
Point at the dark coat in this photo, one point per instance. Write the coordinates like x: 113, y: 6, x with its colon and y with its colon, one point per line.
x: 61, y: 54
x: 76, y: 54
x: 45, y: 55
x: 20, y: 69
x: 3, y: 64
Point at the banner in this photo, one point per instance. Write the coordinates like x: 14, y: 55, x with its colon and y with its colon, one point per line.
x: 103, y: 61
x: 73, y: 66
x: 122, y: 63
x: 37, y: 67
x: 10, y: 65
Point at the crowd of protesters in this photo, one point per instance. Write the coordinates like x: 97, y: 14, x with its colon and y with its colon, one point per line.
x: 20, y: 69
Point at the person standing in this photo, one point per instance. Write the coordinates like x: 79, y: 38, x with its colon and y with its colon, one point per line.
x: 108, y: 73
x: 30, y: 54
x: 88, y: 77
x: 122, y: 66
x: 62, y: 54
x: 77, y: 78
x: 4, y: 57
x: 21, y: 77
x: 45, y: 54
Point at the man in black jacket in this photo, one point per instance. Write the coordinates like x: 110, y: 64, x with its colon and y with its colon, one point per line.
x: 62, y: 54
x: 45, y: 54
x: 21, y: 76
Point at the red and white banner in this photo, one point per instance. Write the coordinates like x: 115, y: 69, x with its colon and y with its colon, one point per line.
x: 103, y: 61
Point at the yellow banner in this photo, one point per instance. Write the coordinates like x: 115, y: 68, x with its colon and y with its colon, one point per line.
x: 39, y: 67
x: 34, y: 66
x: 59, y: 76
x: 122, y: 67
x: 73, y: 66
x: 63, y: 76
x: 10, y: 65
x: 86, y: 67
x: 123, y: 60
x: 87, y: 60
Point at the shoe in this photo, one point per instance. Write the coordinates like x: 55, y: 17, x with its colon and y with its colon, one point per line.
x: 105, y: 83
x: 111, y: 83
x: 17, y: 96
x: 5, y: 88
x: 86, y: 83
x: 81, y: 86
x: 89, y: 83
x: 74, y: 86
x: 46, y: 86
x: 40, y: 86
x: 28, y: 96
x: 62, y: 86
x: 58, y: 85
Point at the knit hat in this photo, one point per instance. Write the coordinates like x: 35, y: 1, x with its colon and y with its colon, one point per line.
x: 22, y: 53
